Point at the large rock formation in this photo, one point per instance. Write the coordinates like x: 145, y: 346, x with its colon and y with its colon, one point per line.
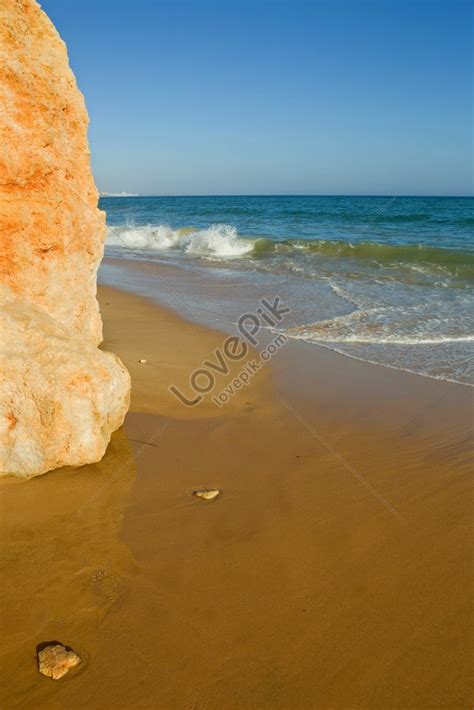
x: 52, y: 233
x: 60, y: 397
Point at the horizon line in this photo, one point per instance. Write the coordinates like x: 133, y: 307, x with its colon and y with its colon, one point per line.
x: 283, y: 194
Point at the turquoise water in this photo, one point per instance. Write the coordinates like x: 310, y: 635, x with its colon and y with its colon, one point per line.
x: 384, y: 279
x: 446, y: 222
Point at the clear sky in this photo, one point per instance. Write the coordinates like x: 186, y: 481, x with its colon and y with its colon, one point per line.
x: 274, y: 96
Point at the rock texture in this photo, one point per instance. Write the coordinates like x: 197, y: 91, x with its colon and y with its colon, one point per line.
x: 52, y: 233
x: 56, y: 660
x: 60, y: 397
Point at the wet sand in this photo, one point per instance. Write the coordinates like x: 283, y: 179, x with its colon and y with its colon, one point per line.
x: 335, y: 570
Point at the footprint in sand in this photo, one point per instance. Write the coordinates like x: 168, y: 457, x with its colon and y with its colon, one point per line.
x: 108, y: 586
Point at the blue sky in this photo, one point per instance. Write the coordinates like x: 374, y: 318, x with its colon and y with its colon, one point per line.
x: 274, y: 96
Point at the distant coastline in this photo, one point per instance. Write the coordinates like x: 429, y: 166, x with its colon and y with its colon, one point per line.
x: 118, y: 194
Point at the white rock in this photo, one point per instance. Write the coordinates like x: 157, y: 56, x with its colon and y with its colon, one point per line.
x: 60, y: 396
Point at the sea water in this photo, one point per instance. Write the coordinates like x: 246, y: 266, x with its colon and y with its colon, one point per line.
x: 383, y: 279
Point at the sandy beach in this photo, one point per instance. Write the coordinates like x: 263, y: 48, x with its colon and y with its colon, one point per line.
x: 236, y: 356
x: 334, y: 571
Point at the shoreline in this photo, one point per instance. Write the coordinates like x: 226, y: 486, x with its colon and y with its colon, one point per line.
x: 333, y: 571
x: 117, y: 268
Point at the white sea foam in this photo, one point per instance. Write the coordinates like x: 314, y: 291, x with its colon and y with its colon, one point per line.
x: 313, y: 336
x: 219, y: 240
x: 416, y: 325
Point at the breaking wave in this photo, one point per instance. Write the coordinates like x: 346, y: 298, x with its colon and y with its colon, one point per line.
x: 219, y: 240
x: 384, y: 281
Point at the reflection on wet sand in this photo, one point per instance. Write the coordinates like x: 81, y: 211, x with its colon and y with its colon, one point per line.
x: 64, y: 567
x: 333, y: 571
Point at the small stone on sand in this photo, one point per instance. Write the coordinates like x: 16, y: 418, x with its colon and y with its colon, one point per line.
x: 56, y: 660
x: 141, y: 361
x: 207, y: 493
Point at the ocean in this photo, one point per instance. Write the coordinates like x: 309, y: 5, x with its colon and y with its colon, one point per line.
x: 388, y: 280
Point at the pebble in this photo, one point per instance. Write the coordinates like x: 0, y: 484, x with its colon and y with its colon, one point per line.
x: 207, y: 494
x: 56, y: 660
x: 141, y: 361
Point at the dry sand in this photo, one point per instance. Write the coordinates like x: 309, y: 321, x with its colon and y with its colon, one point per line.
x: 334, y: 571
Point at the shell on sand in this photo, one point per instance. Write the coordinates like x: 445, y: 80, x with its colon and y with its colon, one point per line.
x: 207, y: 494
x: 55, y: 661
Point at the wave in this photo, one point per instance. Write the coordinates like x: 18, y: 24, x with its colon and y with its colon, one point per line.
x: 312, y: 335
x: 369, y: 250
x: 221, y: 241
x: 415, y: 325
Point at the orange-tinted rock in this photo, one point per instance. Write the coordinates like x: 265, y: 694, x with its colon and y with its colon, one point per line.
x: 52, y: 232
x: 56, y: 660
x: 60, y: 396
